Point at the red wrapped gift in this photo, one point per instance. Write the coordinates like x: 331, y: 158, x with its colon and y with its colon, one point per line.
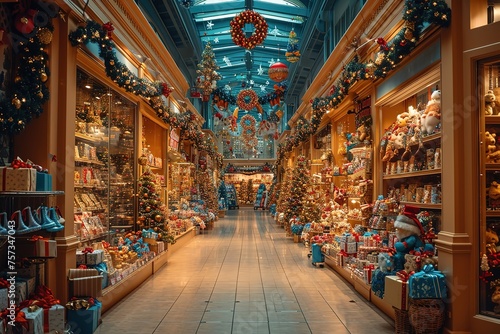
x: 45, y: 248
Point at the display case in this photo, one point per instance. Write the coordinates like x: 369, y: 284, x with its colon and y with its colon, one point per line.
x: 105, y: 155
x: 489, y: 179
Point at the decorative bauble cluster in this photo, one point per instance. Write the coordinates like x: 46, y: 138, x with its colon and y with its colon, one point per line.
x: 278, y: 72
x: 257, y: 37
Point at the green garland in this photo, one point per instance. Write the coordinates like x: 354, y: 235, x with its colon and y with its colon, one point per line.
x: 415, y: 13
x: 151, y: 91
x: 26, y: 95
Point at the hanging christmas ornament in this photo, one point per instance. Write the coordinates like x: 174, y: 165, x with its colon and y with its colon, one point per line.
x: 278, y: 72
x: 292, y: 49
x: 186, y: 3
x: 207, y: 71
x: 238, y: 35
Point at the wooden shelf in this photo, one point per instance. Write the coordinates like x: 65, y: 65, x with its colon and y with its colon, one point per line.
x: 423, y: 205
x: 427, y: 172
x: 493, y: 119
x: 90, y: 139
x: 492, y: 213
x: 92, y: 162
x: 432, y: 137
x: 31, y: 193
x: 492, y: 167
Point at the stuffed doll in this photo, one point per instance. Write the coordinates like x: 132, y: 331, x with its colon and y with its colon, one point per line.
x: 489, y: 103
x: 408, y: 231
x: 491, y: 238
x: 431, y: 116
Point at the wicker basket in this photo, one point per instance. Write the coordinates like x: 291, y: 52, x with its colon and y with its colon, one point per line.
x: 426, y: 315
x: 402, y: 322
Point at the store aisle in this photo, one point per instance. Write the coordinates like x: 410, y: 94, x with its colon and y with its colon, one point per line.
x: 244, y: 276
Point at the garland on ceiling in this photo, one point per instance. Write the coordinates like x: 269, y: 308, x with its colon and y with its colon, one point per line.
x: 151, y: 91
x: 391, y: 53
x: 26, y: 94
x: 224, y: 98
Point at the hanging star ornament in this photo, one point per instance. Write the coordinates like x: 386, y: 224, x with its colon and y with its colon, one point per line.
x: 272, y: 61
x: 260, y: 70
x: 210, y: 25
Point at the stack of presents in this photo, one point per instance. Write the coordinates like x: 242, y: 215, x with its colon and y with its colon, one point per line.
x: 400, y: 268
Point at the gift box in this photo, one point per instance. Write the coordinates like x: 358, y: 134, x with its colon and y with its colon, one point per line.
x: 21, y: 291
x: 396, y: 292
x: 378, y: 281
x: 30, y: 284
x: 93, y: 257
x: 4, y: 302
x: 102, y: 269
x: 45, y: 248
x: 427, y: 284
x: 43, y: 182
x: 54, y: 319
x: 85, y: 320
x: 85, y: 283
x: 35, y: 321
x: 348, y: 247
x: 17, y: 179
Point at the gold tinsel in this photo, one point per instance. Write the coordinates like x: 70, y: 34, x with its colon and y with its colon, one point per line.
x: 44, y: 35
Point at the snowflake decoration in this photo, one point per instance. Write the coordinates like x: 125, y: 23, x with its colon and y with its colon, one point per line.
x: 216, y: 40
x: 275, y: 32
x: 226, y: 60
x: 263, y: 88
x: 272, y: 61
x: 260, y: 70
x: 210, y: 25
x: 227, y: 88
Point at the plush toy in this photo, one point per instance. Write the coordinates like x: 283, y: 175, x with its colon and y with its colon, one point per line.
x: 408, y: 231
x: 494, y: 190
x: 495, y: 295
x: 491, y: 238
x: 363, y: 133
x: 431, y: 116
x: 490, y: 142
x: 489, y: 104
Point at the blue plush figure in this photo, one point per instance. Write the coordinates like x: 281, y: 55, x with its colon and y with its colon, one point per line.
x: 408, y: 231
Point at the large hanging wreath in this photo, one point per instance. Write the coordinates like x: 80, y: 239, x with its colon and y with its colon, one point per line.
x: 248, y: 130
x: 258, y: 36
x: 247, y: 99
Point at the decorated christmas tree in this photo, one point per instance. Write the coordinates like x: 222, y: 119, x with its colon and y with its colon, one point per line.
x: 311, y: 209
x: 243, y: 192
x: 151, y: 207
x: 250, y: 192
x: 207, y: 72
x: 284, y: 191
x: 292, y: 49
x: 208, y: 192
x: 298, y: 191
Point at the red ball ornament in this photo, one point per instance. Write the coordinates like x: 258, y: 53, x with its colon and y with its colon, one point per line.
x: 24, y: 22
x: 278, y: 72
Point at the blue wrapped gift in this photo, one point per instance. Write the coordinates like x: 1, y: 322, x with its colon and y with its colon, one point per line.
x: 102, y: 269
x: 427, y: 284
x: 43, y: 182
x: 378, y: 281
x: 85, y: 321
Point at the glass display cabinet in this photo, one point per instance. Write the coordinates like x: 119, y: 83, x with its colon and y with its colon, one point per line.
x: 105, y: 155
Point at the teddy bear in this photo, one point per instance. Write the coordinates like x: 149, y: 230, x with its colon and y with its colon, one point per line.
x: 494, y: 190
x: 363, y: 133
x: 408, y: 231
x: 491, y: 238
x: 495, y: 295
x: 431, y: 116
x: 489, y: 103
x: 490, y: 142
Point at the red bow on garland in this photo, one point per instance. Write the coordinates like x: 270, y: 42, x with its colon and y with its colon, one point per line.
x: 109, y: 29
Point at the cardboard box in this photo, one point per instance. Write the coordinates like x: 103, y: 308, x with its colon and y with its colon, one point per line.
x: 17, y: 179
x: 85, y: 283
x: 396, y: 292
x: 43, y: 182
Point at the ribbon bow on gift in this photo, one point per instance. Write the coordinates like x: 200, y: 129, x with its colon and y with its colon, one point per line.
x: 88, y: 250
x: 36, y: 237
x: 79, y: 303
x: 404, y: 275
x: 428, y: 268
x: 19, y: 319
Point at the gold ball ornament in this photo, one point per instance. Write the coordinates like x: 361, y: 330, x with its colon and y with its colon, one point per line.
x: 44, y: 35
x: 17, y: 79
x: 43, y: 76
x: 148, y: 209
x: 16, y: 103
x: 158, y: 218
x: 40, y: 95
